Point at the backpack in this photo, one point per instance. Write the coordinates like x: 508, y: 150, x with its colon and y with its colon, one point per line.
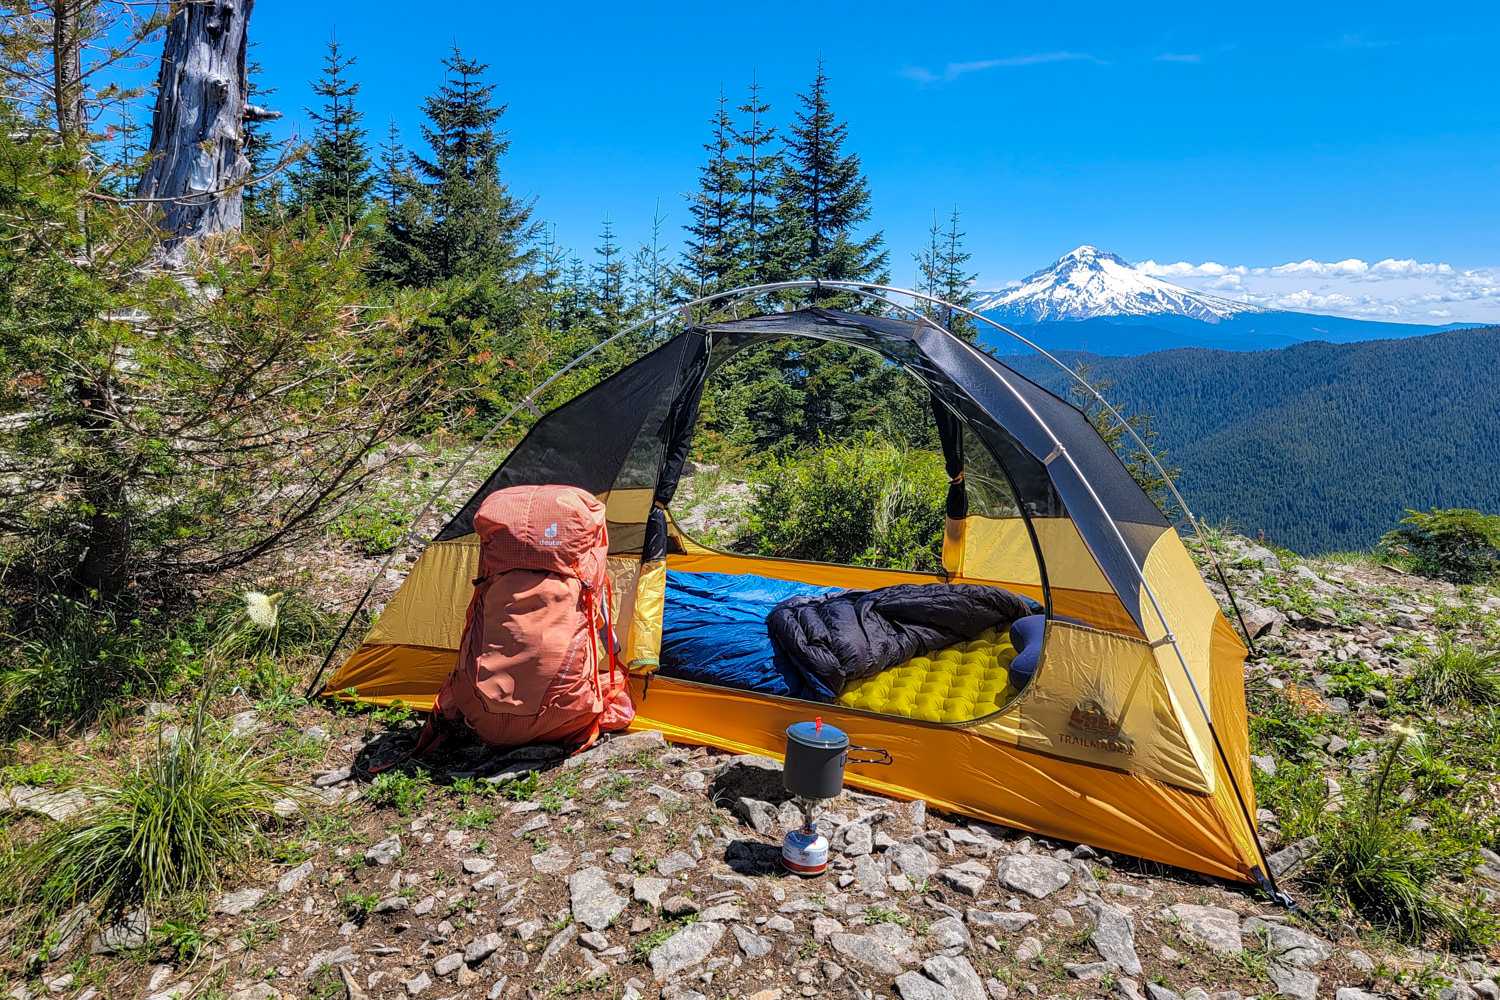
x: 529, y: 667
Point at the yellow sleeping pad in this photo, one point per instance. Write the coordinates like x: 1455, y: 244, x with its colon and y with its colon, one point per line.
x: 963, y: 682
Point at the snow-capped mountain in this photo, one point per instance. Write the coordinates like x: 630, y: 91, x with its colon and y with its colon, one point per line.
x: 1090, y: 283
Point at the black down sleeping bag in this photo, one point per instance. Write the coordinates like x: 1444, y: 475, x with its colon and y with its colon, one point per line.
x: 837, y: 638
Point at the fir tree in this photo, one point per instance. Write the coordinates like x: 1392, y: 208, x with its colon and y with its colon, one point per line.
x: 757, y: 165
x: 825, y: 196
x: 609, y: 278
x: 942, y: 272
x: 454, y: 217
x: 263, y: 199
x: 334, y: 182
x: 712, y: 255
x: 393, y: 166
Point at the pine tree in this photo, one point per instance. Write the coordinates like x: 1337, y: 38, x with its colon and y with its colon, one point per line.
x: 455, y: 217
x: 712, y: 256
x: 757, y: 166
x: 609, y: 279
x: 943, y: 274
x: 334, y: 182
x: 824, y: 194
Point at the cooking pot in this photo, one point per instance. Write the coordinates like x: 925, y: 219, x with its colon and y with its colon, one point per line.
x: 815, y: 759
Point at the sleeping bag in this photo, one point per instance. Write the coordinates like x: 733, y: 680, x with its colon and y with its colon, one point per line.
x: 837, y: 638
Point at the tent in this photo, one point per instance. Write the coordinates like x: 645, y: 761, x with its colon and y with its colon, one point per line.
x: 1131, y: 735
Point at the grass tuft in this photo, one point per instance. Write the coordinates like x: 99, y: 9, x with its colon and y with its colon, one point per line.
x: 1456, y: 675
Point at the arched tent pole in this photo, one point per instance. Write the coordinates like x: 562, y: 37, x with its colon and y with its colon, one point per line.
x: 1169, y: 637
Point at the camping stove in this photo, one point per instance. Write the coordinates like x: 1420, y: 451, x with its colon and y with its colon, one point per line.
x: 814, y: 773
x: 805, y: 852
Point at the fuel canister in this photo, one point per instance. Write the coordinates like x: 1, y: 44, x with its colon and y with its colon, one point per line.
x: 805, y: 852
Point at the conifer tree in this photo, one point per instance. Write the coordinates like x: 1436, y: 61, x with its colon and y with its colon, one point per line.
x: 942, y: 272
x: 455, y: 217
x: 757, y: 166
x: 263, y: 199
x: 609, y: 278
x: 334, y: 182
x: 393, y: 166
x: 824, y: 196
x: 712, y: 255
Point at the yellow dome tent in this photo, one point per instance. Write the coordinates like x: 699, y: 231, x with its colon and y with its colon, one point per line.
x: 1131, y: 735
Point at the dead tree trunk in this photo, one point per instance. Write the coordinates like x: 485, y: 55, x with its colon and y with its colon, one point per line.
x: 198, y: 164
x: 67, y: 66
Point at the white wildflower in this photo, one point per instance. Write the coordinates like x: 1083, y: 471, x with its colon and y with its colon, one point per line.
x: 261, y: 608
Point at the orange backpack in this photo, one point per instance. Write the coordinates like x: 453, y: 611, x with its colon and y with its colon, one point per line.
x: 538, y: 625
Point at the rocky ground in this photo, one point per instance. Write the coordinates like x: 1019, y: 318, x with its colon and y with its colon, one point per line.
x: 644, y: 869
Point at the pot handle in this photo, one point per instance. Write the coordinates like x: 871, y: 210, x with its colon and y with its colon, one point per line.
x: 884, y: 758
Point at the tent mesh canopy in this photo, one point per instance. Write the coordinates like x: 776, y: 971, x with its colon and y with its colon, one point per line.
x: 1131, y: 734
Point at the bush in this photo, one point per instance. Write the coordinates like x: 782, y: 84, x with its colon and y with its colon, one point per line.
x: 76, y: 658
x: 1371, y: 858
x: 399, y: 790
x: 1456, y: 675
x: 1459, y: 545
x: 168, y: 825
x: 868, y: 503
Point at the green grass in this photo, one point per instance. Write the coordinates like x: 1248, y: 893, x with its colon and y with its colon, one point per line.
x: 171, y: 824
x: 400, y: 790
x: 1454, y: 675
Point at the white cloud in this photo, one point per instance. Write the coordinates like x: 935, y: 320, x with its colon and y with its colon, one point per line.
x: 953, y: 71
x: 1396, y: 290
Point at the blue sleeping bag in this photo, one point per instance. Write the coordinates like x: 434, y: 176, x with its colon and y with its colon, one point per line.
x: 714, y: 630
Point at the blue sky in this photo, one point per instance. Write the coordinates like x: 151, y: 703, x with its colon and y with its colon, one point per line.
x: 1234, y: 136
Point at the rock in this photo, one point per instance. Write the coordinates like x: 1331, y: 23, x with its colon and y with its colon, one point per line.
x: 855, y: 840
x: 386, y: 852
x: 915, y: 863
x: 132, y: 931
x: 677, y: 861
x: 896, y: 941
x: 417, y: 984
x: 1289, y: 945
x: 1259, y: 621
x: 1036, y: 875
x: 1296, y: 983
x: 1009, y: 922
x: 955, y: 974
x: 1264, y: 763
x: 996, y: 989
x: 1259, y: 553
x: 967, y: 878
x: 478, y: 866
x: 1486, y: 988
x: 751, y: 944
x: 1213, y: 926
x: 329, y: 959
x: 625, y: 745
x: 481, y: 948
x: 685, y: 949
x: 1350, y: 993
x: 424, y: 906
x: 751, y: 776
x: 238, y: 902
x: 334, y: 777
x: 67, y: 932
x: 256, y: 991
x: 678, y: 906
x: 1088, y: 971
x: 865, y: 952
x: 1363, y: 962
x: 762, y: 816
x: 649, y: 890
x: 1291, y: 857
x: 392, y: 904
x: 555, y: 947
x: 1029, y: 949
x: 1155, y: 992
x: 1113, y: 937
x: 915, y: 986
x: 448, y: 964
x: 950, y: 932
x: 551, y: 861
x: 594, y: 900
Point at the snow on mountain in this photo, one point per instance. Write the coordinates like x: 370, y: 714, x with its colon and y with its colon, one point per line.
x: 1090, y: 283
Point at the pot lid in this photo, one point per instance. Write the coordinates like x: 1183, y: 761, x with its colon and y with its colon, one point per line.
x: 818, y: 734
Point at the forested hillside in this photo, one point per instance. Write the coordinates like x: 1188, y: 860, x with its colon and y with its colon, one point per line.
x: 1319, y: 446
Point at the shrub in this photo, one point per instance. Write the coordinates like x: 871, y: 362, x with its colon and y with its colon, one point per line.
x: 76, y: 658
x: 1459, y: 545
x: 868, y: 503
x: 1456, y: 675
x: 168, y: 825
x: 399, y: 790
x: 1371, y: 858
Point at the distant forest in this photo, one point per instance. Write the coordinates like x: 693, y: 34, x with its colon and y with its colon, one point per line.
x: 1319, y: 447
